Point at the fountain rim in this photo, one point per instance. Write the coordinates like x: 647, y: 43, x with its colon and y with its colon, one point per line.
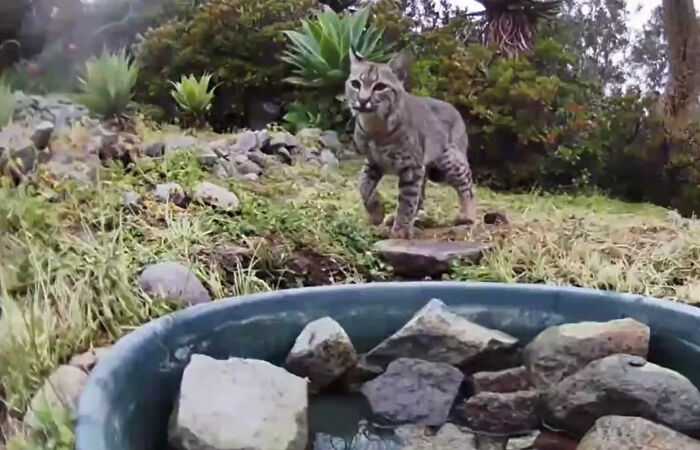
x: 127, y: 343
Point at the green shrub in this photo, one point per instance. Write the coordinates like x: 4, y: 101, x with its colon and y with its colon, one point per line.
x: 193, y: 96
x: 7, y: 103
x: 108, y: 83
x: 238, y: 41
x: 320, y: 52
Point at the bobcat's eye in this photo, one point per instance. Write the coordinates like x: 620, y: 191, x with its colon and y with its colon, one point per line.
x: 355, y: 84
x: 380, y: 87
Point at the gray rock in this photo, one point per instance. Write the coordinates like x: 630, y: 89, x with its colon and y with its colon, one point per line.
x: 329, y: 160
x: 623, y: 385
x: 83, y: 171
x: 283, y: 139
x: 561, y: 351
x: 439, y: 335
x: 310, y: 137
x: 239, y: 404
x: 284, y: 155
x: 634, y: 433
x: 174, y: 282
x: 449, y: 437
x: 261, y: 159
x: 414, y: 391
x: 420, y: 258
x: 61, y: 391
x: 88, y: 361
x: 246, y: 142
x: 330, y: 140
x: 222, y: 147
x: 510, y: 380
x: 264, y: 138
x: 216, y: 196
x: 155, y: 150
x: 526, y: 442
x: 176, y: 143
x: 131, y: 200
x: 245, y: 166
x: 322, y: 352
x: 171, y: 193
x: 42, y: 134
x: 250, y: 177
x: 509, y: 413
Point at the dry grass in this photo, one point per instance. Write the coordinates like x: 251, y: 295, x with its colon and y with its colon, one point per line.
x: 70, y: 255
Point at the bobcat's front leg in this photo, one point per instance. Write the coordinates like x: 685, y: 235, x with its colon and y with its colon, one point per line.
x: 410, y: 185
x: 370, y: 177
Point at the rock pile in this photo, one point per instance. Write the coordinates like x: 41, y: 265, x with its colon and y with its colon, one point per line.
x: 428, y: 382
x: 30, y: 144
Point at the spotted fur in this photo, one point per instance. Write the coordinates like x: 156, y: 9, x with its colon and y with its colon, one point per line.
x: 416, y: 138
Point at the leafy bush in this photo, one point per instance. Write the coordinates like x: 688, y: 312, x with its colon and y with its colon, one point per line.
x: 238, y: 41
x: 108, y: 84
x: 193, y: 96
x: 7, y: 103
x: 320, y: 53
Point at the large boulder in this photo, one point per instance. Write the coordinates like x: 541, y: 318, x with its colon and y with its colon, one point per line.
x: 501, y: 413
x: 414, y: 437
x: 420, y: 258
x: 634, y: 433
x: 623, y: 385
x: 439, y: 335
x: 60, y: 392
x: 173, y: 282
x: 414, y: 391
x: 561, y: 351
x: 322, y: 352
x: 239, y: 404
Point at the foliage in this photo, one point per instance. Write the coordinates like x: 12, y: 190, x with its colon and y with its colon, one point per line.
x: 194, y: 96
x: 55, y: 432
x: 597, y: 32
x: 320, y: 53
x: 107, y: 86
x: 237, y: 40
x: 650, y: 53
x: 7, y: 102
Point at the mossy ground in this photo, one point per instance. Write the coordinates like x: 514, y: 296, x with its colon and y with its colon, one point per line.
x: 71, y: 254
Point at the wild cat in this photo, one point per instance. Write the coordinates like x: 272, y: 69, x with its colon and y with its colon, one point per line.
x: 416, y: 138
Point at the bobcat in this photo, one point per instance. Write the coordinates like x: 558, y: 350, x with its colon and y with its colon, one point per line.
x: 416, y: 138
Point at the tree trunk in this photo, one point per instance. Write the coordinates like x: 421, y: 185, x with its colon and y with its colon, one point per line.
x: 683, y: 35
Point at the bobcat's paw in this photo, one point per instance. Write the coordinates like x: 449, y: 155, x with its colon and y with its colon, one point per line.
x: 401, y: 232
x: 465, y: 219
x: 376, y: 216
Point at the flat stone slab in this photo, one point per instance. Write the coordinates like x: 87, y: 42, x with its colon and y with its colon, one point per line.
x: 421, y: 258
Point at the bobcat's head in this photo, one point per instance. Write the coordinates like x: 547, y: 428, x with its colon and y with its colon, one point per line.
x: 374, y: 88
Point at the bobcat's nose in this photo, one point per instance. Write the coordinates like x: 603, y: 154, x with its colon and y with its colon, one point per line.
x: 364, y: 105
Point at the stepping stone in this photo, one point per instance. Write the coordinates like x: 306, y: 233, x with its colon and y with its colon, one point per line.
x: 427, y: 258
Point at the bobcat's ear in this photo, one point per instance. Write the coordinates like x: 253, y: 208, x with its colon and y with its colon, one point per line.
x: 401, y: 65
x: 355, y: 58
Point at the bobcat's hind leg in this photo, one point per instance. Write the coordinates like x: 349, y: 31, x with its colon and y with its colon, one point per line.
x: 370, y: 176
x: 458, y: 174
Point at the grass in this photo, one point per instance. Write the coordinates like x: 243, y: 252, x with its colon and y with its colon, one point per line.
x: 71, y: 254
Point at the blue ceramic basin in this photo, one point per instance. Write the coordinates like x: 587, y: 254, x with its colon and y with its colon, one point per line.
x: 130, y: 395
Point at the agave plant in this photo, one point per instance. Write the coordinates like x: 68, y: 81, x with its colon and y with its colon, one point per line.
x: 510, y: 25
x: 108, y: 84
x: 320, y: 52
x: 7, y: 103
x: 193, y: 95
